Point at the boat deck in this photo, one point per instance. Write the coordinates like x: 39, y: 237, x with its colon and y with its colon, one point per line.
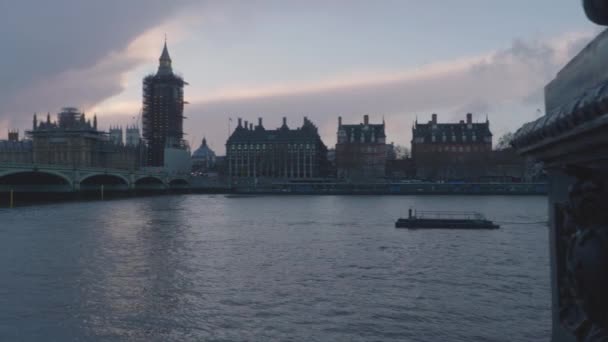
x: 445, y: 220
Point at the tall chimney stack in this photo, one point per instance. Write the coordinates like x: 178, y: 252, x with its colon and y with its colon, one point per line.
x: 284, y: 121
x: 469, y: 118
x: 434, y: 118
x: 260, y: 122
x: 246, y: 125
x: 339, y: 121
x: 240, y: 122
x: 366, y: 119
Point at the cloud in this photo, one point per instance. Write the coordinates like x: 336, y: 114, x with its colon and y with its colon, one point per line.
x: 58, y: 52
x: 503, y: 84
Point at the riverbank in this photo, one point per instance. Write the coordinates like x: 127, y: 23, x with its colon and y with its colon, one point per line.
x: 18, y: 198
x: 405, y: 189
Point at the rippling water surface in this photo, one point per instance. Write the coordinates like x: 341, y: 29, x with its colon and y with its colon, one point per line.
x: 294, y: 268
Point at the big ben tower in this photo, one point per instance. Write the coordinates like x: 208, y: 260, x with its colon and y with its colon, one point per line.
x: 163, y: 111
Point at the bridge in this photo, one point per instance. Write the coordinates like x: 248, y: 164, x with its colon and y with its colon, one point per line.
x: 33, y: 178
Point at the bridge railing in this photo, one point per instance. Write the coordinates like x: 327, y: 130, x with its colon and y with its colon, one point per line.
x: 59, y: 167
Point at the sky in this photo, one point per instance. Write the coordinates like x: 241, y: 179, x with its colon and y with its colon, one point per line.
x: 397, y: 60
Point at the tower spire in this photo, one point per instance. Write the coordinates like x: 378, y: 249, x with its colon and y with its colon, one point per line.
x: 164, y: 66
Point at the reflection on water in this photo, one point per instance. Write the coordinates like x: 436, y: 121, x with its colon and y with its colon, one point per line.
x: 272, y: 268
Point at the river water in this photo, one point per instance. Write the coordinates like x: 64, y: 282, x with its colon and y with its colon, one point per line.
x: 291, y: 268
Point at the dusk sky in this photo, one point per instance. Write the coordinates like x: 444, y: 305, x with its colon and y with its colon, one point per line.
x: 321, y: 59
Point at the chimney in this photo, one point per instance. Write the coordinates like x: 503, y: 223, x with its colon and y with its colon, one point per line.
x: 246, y: 125
x: 240, y: 122
x: 469, y: 118
x: 251, y: 127
x: 260, y: 122
x: 434, y: 116
x: 284, y: 121
x: 339, y: 121
x: 366, y: 119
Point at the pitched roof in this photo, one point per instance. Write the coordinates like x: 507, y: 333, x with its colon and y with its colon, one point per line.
x: 355, y: 132
x: 306, y: 133
x: 164, y: 66
x: 459, y: 130
x: 165, y: 55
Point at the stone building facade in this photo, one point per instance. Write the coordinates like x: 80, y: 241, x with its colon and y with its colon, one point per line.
x: 15, y: 151
x: 279, y: 153
x: 444, y: 151
x: 75, y: 141
x: 361, y: 150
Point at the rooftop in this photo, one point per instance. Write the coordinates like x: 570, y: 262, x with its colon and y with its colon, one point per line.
x: 307, y: 132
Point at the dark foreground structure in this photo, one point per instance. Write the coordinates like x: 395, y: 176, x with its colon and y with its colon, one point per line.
x: 572, y: 141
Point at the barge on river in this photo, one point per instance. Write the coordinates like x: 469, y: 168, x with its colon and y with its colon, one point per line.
x: 445, y: 220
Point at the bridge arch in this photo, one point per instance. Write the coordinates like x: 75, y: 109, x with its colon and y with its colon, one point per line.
x: 105, y: 179
x: 148, y: 180
x: 149, y: 183
x: 34, y: 177
x: 35, y: 181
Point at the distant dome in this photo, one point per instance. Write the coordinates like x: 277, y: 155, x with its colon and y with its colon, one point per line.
x: 203, y: 152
